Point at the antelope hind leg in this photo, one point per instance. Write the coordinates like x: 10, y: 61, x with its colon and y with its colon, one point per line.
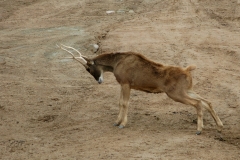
x: 206, y: 104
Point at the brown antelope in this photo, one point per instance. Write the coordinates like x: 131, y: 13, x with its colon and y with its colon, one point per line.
x: 134, y: 71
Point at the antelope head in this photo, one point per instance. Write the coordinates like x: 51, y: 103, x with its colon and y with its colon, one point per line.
x: 95, y: 70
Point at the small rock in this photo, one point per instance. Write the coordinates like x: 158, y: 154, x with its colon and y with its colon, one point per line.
x: 131, y: 11
x: 94, y: 48
x: 121, y: 11
x: 109, y: 12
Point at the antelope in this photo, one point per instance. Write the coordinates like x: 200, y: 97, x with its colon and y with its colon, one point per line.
x: 134, y: 71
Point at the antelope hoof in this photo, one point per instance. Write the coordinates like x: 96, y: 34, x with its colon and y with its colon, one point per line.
x: 219, y: 129
x: 115, y: 124
x: 198, y: 132
x: 121, y: 126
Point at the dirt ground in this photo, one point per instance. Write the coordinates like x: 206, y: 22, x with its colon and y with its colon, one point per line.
x: 51, y: 108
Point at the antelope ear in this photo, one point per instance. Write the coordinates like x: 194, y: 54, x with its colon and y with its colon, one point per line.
x: 89, y: 61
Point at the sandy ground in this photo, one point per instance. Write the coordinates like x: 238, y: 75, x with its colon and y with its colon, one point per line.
x: 51, y: 108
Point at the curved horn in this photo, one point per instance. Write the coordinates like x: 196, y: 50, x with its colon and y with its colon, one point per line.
x: 73, y: 57
x: 80, y: 54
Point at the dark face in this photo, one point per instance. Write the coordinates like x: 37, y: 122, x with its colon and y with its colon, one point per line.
x: 95, y: 72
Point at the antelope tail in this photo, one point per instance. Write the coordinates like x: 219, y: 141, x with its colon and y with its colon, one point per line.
x: 190, y: 68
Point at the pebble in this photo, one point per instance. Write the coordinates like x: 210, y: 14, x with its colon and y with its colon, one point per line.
x: 109, y: 12
x: 94, y: 47
x: 131, y: 11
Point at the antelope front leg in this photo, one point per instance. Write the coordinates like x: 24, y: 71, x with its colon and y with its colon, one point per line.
x: 119, y: 119
x: 124, y: 102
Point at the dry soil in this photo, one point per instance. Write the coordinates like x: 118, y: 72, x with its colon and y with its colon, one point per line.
x: 51, y: 108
